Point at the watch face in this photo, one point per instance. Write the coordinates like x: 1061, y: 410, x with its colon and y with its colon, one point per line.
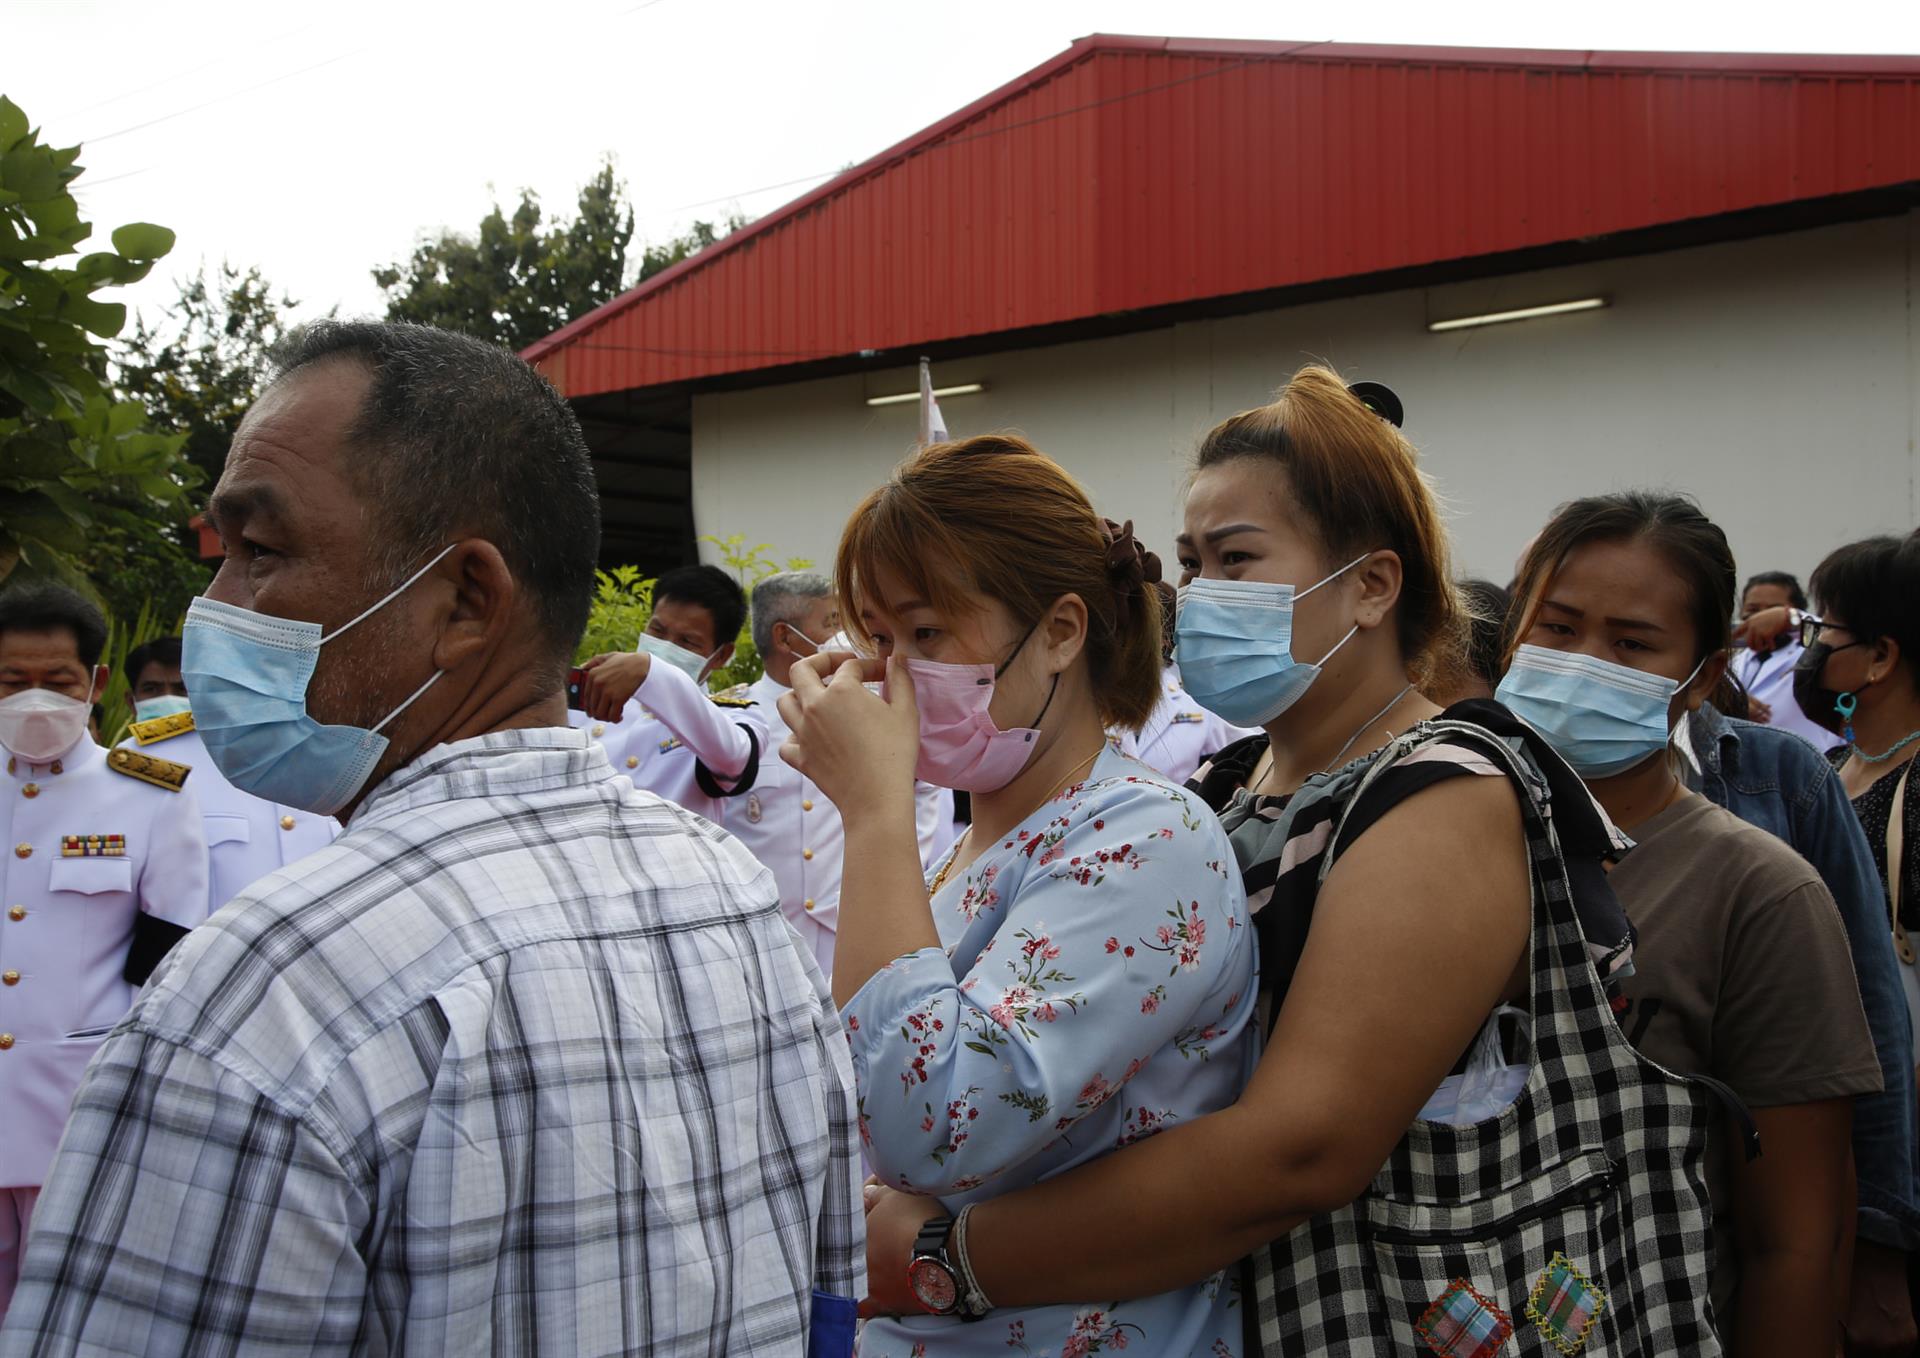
x: 933, y: 1285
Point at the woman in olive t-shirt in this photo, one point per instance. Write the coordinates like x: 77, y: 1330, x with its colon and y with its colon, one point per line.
x: 1741, y: 967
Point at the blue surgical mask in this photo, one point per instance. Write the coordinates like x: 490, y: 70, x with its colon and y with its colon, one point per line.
x: 1234, y: 646
x: 689, y: 664
x: 248, y: 673
x: 1602, y: 718
x: 166, y: 705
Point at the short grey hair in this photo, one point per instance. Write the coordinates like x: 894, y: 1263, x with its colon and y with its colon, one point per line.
x: 782, y: 598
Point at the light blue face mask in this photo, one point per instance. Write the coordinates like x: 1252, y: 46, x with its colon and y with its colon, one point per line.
x: 166, y: 705
x: 1601, y: 717
x: 689, y: 664
x: 1234, y: 646
x: 248, y: 673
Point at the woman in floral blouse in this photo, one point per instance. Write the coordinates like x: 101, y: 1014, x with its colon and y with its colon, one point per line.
x: 1079, y: 973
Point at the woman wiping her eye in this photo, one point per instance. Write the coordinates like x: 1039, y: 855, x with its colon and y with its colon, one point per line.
x: 1078, y: 975
x: 1742, y: 966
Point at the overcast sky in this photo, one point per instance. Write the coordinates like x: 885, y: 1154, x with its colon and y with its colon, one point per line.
x: 317, y: 141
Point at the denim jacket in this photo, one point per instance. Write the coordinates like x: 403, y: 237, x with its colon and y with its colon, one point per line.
x: 1775, y: 780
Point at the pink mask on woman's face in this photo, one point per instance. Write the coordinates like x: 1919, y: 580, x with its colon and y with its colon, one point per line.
x: 960, y: 747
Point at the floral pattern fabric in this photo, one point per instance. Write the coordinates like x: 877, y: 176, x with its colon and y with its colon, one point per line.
x: 1096, y: 987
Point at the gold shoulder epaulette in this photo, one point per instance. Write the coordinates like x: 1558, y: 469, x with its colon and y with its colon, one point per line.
x: 737, y: 696
x: 149, y: 769
x: 157, y: 729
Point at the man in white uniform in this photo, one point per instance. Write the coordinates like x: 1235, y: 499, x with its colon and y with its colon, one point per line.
x: 104, y: 870
x: 247, y: 838
x: 651, y: 712
x: 784, y: 819
x: 1766, y: 672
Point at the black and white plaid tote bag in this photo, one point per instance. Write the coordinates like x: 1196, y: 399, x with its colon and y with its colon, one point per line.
x: 1575, y: 1222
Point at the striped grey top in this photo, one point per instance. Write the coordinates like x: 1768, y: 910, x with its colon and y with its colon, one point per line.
x: 526, y: 1062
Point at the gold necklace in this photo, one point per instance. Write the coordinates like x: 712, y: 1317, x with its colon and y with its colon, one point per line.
x: 966, y: 835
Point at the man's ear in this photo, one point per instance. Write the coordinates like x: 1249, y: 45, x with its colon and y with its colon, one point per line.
x: 722, y: 657
x: 479, y: 610
x: 101, y: 674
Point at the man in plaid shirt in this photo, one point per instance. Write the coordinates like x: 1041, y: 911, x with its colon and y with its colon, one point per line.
x: 526, y: 1061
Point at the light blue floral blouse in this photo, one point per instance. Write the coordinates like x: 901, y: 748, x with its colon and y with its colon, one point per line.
x: 1096, y: 986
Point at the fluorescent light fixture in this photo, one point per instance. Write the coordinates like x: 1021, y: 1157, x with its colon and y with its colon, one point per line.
x: 964, y: 389
x: 1525, y: 313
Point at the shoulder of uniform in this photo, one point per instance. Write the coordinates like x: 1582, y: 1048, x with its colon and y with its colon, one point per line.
x: 740, y: 695
x: 148, y: 768
x: 157, y: 729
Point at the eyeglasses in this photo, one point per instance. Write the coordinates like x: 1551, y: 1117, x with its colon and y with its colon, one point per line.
x: 1811, y: 628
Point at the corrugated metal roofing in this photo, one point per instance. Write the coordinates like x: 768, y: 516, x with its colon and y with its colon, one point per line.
x: 1129, y: 173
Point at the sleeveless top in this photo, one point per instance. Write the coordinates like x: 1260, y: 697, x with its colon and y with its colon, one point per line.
x: 1577, y: 1216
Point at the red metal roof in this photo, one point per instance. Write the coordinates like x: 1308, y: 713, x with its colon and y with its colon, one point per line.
x: 1133, y: 172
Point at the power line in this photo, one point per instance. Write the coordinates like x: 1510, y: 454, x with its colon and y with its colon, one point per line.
x: 222, y: 98
x: 225, y: 59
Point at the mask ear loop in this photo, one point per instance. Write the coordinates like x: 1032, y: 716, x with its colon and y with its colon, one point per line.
x: 1052, y: 689
x: 1352, y: 630
x: 409, y: 702
x: 392, y: 594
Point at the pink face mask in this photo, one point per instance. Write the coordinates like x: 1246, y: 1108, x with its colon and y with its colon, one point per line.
x: 960, y: 747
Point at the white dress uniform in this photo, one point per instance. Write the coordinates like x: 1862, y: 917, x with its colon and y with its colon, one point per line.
x: 1179, y: 735
x: 793, y: 828
x: 247, y: 838
x: 670, y: 726
x: 88, y: 846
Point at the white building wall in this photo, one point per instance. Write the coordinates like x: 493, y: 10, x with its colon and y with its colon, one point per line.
x: 1776, y: 379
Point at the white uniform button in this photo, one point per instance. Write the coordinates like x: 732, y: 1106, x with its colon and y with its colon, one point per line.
x: 599, y: 729
x: 286, y: 822
x: 30, y: 791
x: 807, y: 854
x: 23, y: 851
x: 633, y: 761
x: 6, y: 1042
x: 17, y: 913
x: 809, y: 902
x: 9, y: 977
x: 807, y: 805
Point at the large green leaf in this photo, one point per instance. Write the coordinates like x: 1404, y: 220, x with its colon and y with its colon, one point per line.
x: 143, y: 240
x: 13, y: 123
x: 30, y: 172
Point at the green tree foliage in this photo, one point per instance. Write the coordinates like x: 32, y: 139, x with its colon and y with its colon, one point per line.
x: 89, y: 493
x: 519, y: 278
x: 200, y: 369
x: 515, y: 280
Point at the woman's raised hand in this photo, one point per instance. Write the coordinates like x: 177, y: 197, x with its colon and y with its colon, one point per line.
x: 858, y: 746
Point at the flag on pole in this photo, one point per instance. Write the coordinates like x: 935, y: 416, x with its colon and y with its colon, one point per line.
x: 933, y: 428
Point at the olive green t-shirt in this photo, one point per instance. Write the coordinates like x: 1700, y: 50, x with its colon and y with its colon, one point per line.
x: 1741, y: 972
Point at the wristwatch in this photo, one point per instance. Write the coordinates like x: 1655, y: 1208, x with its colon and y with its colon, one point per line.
x: 939, y: 1277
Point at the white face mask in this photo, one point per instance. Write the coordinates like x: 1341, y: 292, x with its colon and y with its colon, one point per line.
x: 39, y: 725
x: 796, y: 639
x: 689, y: 664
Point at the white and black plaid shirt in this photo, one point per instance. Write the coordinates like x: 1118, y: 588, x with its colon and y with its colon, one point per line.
x: 525, y: 1062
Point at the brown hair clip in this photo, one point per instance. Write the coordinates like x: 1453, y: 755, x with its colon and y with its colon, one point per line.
x: 1131, y: 565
